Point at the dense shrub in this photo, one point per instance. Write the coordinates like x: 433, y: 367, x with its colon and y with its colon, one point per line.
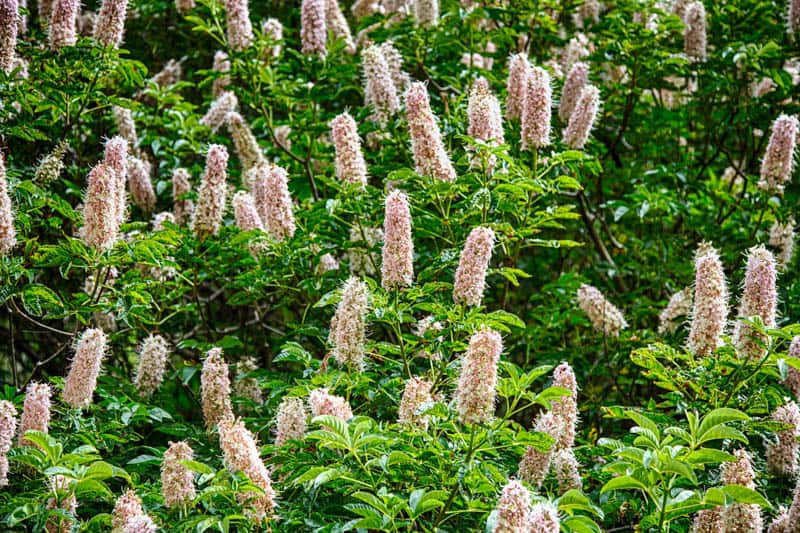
x: 394, y: 265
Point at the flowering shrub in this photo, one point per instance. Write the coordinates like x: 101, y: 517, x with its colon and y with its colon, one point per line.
x: 393, y: 265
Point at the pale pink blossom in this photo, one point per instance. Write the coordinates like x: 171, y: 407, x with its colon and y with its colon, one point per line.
x: 537, y: 110
x: 9, y: 27
x: 313, y: 27
x: 679, y: 305
x: 485, y: 119
x: 222, y: 64
x: 324, y: 403
x: 380, y: 92
x: 694, y: 34
x: 239, y: 28
x: 577, y: 78
x: 245, y: 143
x: 535, y: 464
x: 518, y: 69
x: 35, y: 411
x: 582, y: 118
x: 182, y: 208
x: 8, y: 428
x: 8, y: 234
x: 759, y: 299
x: 274, y: 202
x: 177, y: 481
x: 605, y: 317
x: 215, y: 389
x: 782, y: 455
x: 110, y: 23
x: 740, y: 517
x: 513, y: 513
x: 81, y: 380
x: 337, y: 24
x: 476, y: 390
x: 416, y: 395
x: 470, y: 279
x: 63, y: 24
x: 127, y: 506
x: 349, y: 161
x: 348, y: 329
x: 218, y: 111
x: 290, y: 422
x: 397, y: 270
x: 778, y: 160
x: 153, y: 355
x: 210, y: 207
x: 141, y: 186
x: 710, y: 309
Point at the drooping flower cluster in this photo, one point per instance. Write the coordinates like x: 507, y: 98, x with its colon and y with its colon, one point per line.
x: 605, y: 317
x: 380, y: 92
x: 348, y: 329
x: 710, y: 308
x: 475, y: 393
x: 239, y: 28
x: 741, y: 517
x: 430, y: 156
x: 110, y: 23
x: 349, y: 161
x: 518, y: 69
x: 240, y: 451
x: 470, y: 279
x: 35, y: 411
x: 397, y: 270
x: 582, y: 118
x: 273, y: 201
x: 8, y: 428
x: 248, y: 387
x: 576, y: 80
x: 81, y: 380
x: 782, y: 456
x: 183, y: 208
x: 513, y: 513
x: 245, y: 143
x: 62, y: 23
x: 778, y: 160
x: 416, y: 394
x: 153, y: 356
x: 324, y: 403
x: 485, y: 119
x: 694, y: 35
x: 536, y: 110
x: 759, y: 299
x: 290, y: 422
x: 215, y: 389
x: 781, y: 237
x: 679, y: 305
x: 313, y: 27
x: 8, y: 234
x: 210, y: 208
x: 177, y: 481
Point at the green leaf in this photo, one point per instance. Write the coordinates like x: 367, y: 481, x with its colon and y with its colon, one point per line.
x: 623, y: 483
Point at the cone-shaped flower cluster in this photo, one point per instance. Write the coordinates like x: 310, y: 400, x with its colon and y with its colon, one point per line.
x: 245, y: 143
x: 778, y: 161
x: 605, y: 317
x: 513, y: 509
x: 679, y: 305
x: 576, y: 80
x: 759, y: 299
x: 430, y: 156
x: 211, y: 197
x: 101, y: 217
x: 62, y: 23
x: 314, y: 29
x: 470, y: 280
x: 394, y: 59
x: 35, y: 411
x: 84, y: 369
x: 565, y: 408
x: 8, y: 235
x: 177, y: 481
x: 792, y: 381
x: 782, y: 456
x: 694, y: 35
x: 140, y: 524
x: 475, y: 393
x: 51, y: 165
x: 153, y: 356
x: 274, y: 202
x: 710, y: 308
x: 215, y: 389
x: 140, y: 184
x: 324, y: 403
x: 127, y: 506
x: 221, y: 64
x: 426, y: 12
x: 536, y: 110
x: 8, y: 428
x: 350, y: 165
x: 218, y: 112
x: 535, y: 464
x: 126, y: 127
x: 708, y: 521
x: 116, y: 156
x: 544, y: 519
x: 240, y: 452
x: 273, y: 29
x: 485, y: 119
x: 239, y: 28
x: 182, y: 208
x: 290, y: 422
x: 169, y: 75
x: 397, y: 270
x: 337, y: 24
x: 380, y: 92
x: 516, y: 86
x: 567, y: 470
x: 348, y: 330
x: 741, y: 517
x: 781, y: 237
x: 582, y: 118
x: 9, y: 15
x: 110, y: 23
x: 247, y: 387
x: 416, y: 394
x: 245, y: 212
